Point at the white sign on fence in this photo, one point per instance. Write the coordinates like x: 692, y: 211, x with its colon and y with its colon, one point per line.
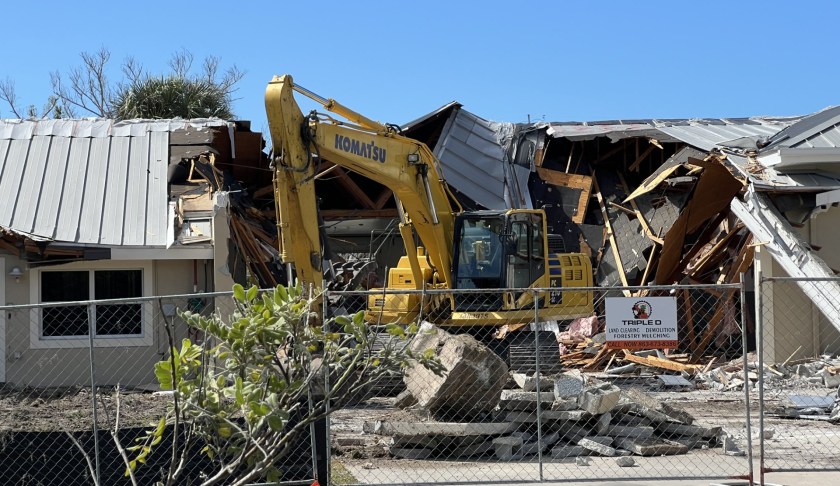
x: 641, y: 322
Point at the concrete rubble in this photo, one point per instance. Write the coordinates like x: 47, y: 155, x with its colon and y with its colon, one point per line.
x: 603, y: 420
x: 473, y: 381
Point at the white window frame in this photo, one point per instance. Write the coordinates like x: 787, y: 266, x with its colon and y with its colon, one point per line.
x: 146, y: 338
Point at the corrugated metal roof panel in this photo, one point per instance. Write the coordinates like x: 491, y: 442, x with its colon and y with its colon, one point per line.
x: 87, y: 181
x: 704, y: 134
x: 473, y: 159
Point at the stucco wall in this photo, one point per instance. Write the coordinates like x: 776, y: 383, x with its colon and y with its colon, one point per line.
x: 825, y: 234
x: 116, y: 360
x: 795, y: 325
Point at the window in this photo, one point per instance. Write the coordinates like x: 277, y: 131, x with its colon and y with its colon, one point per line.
x: 121, y: 319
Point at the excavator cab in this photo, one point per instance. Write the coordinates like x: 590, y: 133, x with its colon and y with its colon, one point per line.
x: 496, y: 250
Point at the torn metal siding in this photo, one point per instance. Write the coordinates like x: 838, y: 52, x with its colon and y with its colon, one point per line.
x: 107, y: 187
x: 474, y: 161
x: 817, y: 130
x: 704, y: 134
x: 790, y: 251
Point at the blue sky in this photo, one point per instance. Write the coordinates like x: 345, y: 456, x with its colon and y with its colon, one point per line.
x: 394, y: 61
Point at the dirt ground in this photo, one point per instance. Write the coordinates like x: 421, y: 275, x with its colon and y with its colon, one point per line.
x: 790, y: 444
x: 71, y: 409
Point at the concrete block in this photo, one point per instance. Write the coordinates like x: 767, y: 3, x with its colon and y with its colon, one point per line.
x: 568, y: 450
x: 582, y: 461
x: 599, y: 398
x: 656, y: 410
x: 596, y: 447
x: 473, y: 381
x: 625, y: 461
x: 569, y: 384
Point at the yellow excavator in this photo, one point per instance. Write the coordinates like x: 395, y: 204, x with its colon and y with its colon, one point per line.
x: 479, y: 250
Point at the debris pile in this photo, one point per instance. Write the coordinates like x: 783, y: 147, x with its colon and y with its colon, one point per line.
x: 566, y: 415
x: 579, y: 418
x: 799, y: 374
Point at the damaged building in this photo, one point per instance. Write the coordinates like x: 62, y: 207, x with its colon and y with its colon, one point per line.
x: 652, y: 202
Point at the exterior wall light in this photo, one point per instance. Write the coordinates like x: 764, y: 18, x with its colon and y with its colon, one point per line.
x: 16, y: 273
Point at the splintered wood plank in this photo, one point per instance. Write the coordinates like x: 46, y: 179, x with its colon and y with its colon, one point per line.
x: 611, y: 236
x: 634, y: 167
x: 663, y: 363
x: 639, y: 215
x: 575, y: 181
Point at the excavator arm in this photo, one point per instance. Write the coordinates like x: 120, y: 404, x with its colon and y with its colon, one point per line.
x: 376, y: 151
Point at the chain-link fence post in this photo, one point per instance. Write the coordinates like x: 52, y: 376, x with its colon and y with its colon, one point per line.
x: 539, y: 380
x: 759, y: 339
x: 744, y: 346
x: 327, y: 439
x: 91, y: 324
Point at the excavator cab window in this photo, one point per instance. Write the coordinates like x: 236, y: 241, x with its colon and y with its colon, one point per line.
x: 526, y: 259
x: 480, y: 253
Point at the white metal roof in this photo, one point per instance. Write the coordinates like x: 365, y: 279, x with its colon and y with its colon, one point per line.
x: 89, y: 181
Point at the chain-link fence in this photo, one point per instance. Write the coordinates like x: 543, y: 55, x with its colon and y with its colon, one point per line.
x: 750, y: 376
x: 798, y: 367
x: 81, y: 390
x: 553, y: 401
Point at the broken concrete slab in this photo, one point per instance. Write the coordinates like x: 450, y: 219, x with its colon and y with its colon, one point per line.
x: 528, y: 382
x: 472, y: 384
x: 670, y: 428
x: 597, y: 447
x: 525, y: 401
x: 420, y: 429
x: 654, y: 409
x: 568, y: 450
x: 637, y: 431
x: 651, y: 447
x: 600, y: 398
x: 547, y: 416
